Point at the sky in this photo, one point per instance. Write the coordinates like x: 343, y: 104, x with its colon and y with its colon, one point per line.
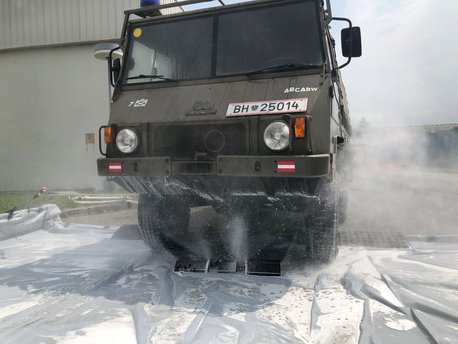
x: 408, y: 72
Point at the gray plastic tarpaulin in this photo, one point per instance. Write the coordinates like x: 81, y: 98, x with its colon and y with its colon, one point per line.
x: 73, y: 284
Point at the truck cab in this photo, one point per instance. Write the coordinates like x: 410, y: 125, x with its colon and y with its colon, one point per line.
x: 240, y: 108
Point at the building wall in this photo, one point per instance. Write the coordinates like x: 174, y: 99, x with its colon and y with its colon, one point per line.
x: 429, y: 146
x: 50, y: 98
x: 53, y: 90
x: 26, y: 23
x: 442, y: 147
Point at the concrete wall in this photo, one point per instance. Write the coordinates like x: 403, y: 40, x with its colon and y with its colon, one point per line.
x: 50, y: 98
x: 53, y: 91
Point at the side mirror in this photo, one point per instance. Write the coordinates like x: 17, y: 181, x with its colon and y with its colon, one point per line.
x: 113, y: 54
x: 116, y: 70
x: 351, y: 42
x: 114, y: 64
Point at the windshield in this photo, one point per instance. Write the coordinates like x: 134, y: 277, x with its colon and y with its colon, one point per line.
x: 233, y: 43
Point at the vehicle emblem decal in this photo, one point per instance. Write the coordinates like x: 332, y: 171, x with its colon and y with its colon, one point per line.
x: 202, y: 108
x: 300, y: 89
x: 139, y: 103
x: 206, y: 105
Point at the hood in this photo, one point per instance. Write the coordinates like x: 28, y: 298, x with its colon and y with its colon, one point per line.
x: 210, y: 101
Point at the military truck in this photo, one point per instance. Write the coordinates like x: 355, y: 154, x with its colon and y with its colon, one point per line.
x: 240, y: 108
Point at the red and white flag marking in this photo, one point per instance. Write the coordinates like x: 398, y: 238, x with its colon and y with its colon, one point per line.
x: 286, y: 167
x: 115, y: 167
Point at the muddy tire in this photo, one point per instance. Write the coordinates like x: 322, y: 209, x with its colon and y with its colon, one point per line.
x: 162, y: 221
x: 342, y: 206
x: 321, y: 225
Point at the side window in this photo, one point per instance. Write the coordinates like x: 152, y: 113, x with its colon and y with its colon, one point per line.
x: 165, y: 63
x: 291, y: 30
x: 180, y: 50
x: 143, y: 62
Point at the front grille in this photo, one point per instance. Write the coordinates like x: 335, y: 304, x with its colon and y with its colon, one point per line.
x: 196, y: 141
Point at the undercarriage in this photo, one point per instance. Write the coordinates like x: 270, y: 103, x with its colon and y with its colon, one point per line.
x: 258, y: 220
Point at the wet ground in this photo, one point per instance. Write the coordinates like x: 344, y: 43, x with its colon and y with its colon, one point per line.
x: 74, y: 284
x: 71, y: 282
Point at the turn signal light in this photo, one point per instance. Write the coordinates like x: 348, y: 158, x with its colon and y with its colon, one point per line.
x: 300, y: 128
x: 108, y: 135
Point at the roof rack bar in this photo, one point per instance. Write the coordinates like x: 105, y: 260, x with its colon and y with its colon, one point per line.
x: 328, y: 12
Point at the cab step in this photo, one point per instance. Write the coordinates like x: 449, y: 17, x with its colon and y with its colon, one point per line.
x: 192, y: 265
x: 251, y: 267
x: 263, y: 267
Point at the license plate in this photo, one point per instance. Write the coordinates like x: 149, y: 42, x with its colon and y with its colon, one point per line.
x: 269, y: 107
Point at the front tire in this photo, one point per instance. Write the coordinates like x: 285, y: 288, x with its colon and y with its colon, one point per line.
x: 163, y: 221
x: 321, y: 225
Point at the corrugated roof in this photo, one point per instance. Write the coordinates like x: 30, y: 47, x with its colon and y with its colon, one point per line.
x: 28, y: 23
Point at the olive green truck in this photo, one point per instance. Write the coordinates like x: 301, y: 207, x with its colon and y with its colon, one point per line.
x: 240, y: 108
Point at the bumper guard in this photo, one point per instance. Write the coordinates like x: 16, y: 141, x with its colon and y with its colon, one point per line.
x: 293, y: 166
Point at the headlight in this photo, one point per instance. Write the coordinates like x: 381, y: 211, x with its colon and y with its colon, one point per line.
x: 277, y: 136
x: 127, y: 141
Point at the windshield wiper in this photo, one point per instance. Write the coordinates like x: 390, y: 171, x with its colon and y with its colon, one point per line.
x: 150, y: 76
x: 284, y: 67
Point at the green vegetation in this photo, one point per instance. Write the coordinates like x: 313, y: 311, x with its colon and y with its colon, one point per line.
x: 25, y: 200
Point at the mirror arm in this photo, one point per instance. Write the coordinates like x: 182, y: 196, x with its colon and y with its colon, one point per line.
x: 350, y: 25
x: 345, y: 64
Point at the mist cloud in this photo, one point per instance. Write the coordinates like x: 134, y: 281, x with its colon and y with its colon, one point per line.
x: 408, y: 71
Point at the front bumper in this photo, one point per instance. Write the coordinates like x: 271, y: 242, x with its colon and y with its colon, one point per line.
x: 292, y: 166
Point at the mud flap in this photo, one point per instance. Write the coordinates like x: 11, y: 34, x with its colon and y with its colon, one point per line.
x: 227, y: 267
x: 263, y: 267
x: 191, y: 265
